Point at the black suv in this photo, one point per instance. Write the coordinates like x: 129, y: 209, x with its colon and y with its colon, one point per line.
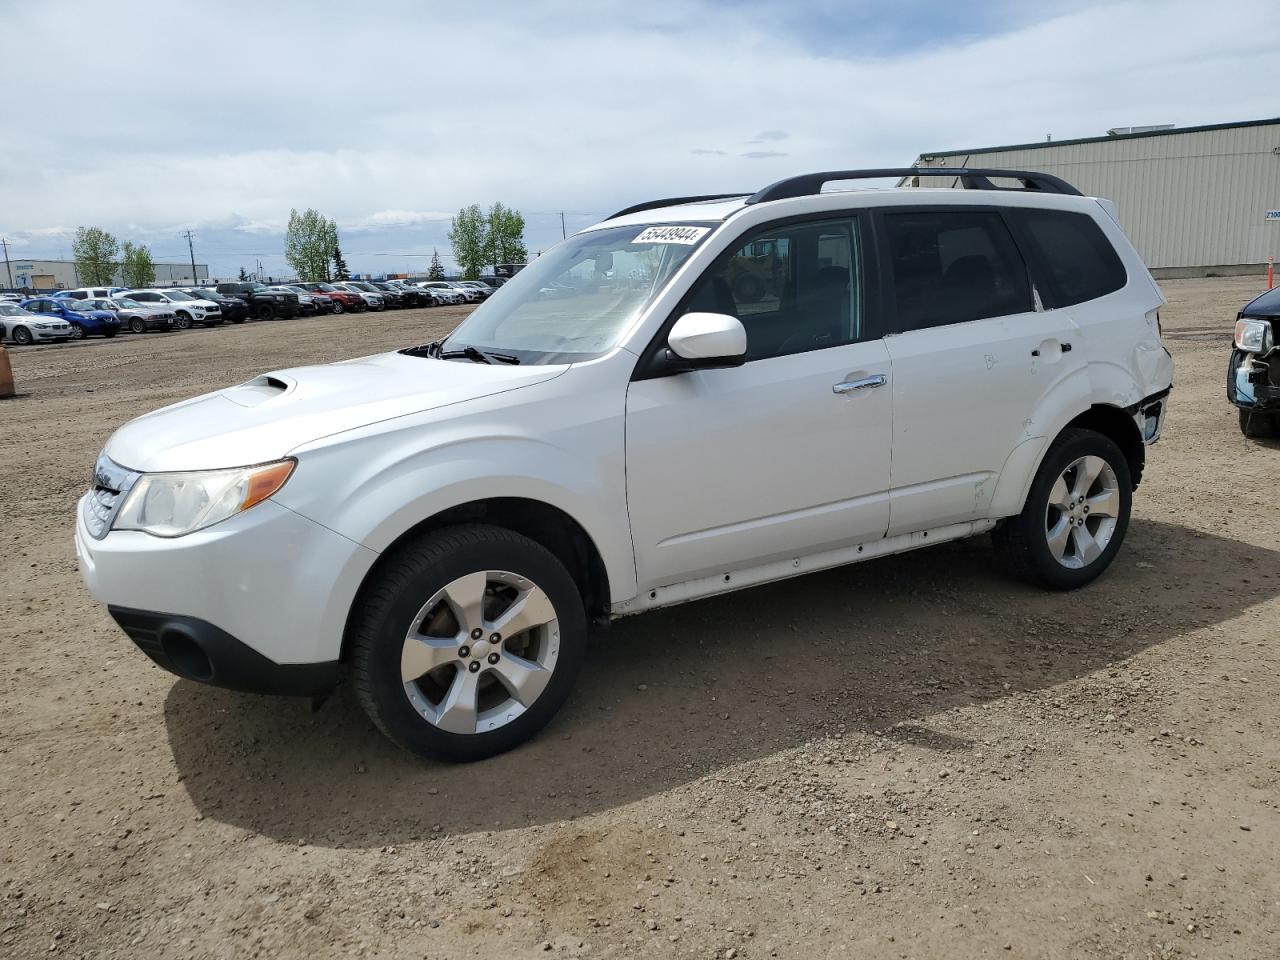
x: 263, y: 303
x: 402, y: 297
x: 233, y: 308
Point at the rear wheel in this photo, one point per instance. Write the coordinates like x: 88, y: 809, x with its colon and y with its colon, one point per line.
x: 1256, y: 423
x: 1076, y: 513
x: 23, y: 336
x: 467, y: 642
x: 137, y: 325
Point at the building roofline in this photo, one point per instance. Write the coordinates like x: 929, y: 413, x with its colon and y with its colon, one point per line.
x: 1049, y: 144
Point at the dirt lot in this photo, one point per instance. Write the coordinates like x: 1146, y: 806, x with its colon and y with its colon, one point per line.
x: 909, y: 758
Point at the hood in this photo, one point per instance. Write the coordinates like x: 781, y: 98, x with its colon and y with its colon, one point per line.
x: 1264, y: 306
x: 267, y: 417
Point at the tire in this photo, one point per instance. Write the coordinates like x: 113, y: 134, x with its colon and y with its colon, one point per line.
x: 406, y: 595
x: 77, y: 331
x: 266, y: 311
x: 137, y: 325
x: 182, y: 320
x: 1062, y: 548
x: 23, y: 337
x: 108, y: 334
x: 1257, y: 424
x: 338, y: 307
x: 213, y: 323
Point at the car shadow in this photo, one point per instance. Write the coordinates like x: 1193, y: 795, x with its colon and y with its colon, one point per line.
x: 673, y: 695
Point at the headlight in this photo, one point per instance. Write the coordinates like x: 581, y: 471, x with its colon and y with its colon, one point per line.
x: 1253, y: 335
x: 175, y: 504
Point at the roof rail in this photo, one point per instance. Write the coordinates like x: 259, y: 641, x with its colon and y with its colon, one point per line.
x: 970, y: 178
x: 672, y: 201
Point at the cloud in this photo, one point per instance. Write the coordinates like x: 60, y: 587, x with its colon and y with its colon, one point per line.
x: 566, y: 112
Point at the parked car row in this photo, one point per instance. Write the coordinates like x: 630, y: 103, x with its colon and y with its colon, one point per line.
x: 106, y: 311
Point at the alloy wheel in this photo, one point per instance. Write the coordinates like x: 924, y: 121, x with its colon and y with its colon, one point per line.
x: 480, y: 652
x: 1082, y: 512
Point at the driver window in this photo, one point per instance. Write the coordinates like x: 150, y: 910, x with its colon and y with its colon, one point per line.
x: 795, y: 288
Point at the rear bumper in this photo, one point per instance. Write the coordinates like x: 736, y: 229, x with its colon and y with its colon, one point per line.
x: 199, y: 651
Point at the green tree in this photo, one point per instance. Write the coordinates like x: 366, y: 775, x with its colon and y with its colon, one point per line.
x: 308, y: 242
x: 469, y: 237
x: 436, y: 270
x: 244, y: 274
x: 506, y: 235
x: 95, y: 253
x: 137, y: 269
x: 340, y: 271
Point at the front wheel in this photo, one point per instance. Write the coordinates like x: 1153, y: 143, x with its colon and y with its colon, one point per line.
x: 337, y: 306
x: 467, y: 642
x: 266, y: 311
x: 1075, y: 516
x: 77, y: 331
x: 108, y: 334
x: 22, y: 336
x: 182, y: 320
x: 137, y: 325
x: 1255, y: 423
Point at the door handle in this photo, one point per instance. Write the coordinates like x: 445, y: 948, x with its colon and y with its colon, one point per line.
x: 865, y: 383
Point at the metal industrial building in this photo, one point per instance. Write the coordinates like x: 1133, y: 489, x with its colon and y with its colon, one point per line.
x: 45, y: 275
x: 1193, y: 200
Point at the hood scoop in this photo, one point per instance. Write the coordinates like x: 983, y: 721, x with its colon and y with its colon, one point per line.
x: 258, y: 390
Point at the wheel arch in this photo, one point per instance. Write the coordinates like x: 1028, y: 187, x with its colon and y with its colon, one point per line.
x: 545, y: 524
x: 1024, y: 461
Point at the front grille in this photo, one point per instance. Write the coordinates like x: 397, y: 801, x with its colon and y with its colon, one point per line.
x: 99, y: 509
x: 110, y: 484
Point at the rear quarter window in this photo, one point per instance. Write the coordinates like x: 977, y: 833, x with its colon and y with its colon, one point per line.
x: 1071, y: 258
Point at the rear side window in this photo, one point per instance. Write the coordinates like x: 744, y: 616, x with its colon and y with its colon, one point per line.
x: 954, y: 266
x: 1071, y: 258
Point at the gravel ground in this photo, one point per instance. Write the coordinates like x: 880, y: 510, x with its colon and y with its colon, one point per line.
x: 909, y: 758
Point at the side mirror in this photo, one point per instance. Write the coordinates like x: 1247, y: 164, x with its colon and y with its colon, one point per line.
x: 701, y: 341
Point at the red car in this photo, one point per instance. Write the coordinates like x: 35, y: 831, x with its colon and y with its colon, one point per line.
x: 343, y: 300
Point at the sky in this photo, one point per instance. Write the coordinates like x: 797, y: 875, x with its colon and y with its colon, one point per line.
x: 157, y: 118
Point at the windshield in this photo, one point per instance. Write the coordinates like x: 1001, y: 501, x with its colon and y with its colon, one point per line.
x: 126, y: 302
x: 177, y: 295
x: 575, y: 301
x: 80, y: 306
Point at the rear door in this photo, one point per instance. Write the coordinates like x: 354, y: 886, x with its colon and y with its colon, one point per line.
x: 973, y: 354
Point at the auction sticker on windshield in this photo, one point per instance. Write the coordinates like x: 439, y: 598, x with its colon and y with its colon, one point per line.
x: 689, y: 235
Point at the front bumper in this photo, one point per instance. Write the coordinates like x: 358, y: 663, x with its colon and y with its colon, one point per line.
x: 46, y: 336
x: 1250, y: 379
x: 267, y: 589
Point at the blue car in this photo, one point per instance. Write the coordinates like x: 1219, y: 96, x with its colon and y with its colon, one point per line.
x: 85, y: 321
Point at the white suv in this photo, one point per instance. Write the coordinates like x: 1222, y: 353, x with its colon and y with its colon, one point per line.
x: 689, y: 398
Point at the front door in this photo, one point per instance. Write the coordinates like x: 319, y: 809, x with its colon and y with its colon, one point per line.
x: 785, y: 455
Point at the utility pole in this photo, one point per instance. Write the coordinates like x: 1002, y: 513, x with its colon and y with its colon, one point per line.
x: 192, y: 251
x: 563, y: 235
x: 7, y: 269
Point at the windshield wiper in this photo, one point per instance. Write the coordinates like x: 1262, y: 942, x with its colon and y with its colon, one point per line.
x: 435, y: 350
x: 476, y: 355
